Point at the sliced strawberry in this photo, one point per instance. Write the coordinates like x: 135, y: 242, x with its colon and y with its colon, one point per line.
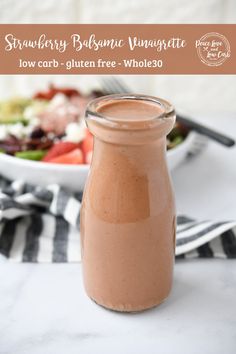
x: 59, y: 149
x: 87, y: 144
x: 74, y: 157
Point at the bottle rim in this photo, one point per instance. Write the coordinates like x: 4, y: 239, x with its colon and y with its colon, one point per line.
x: 91, y: 113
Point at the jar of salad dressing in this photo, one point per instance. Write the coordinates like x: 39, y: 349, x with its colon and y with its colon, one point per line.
x: 128, y: 212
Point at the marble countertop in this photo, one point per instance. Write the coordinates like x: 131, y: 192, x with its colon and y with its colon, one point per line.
x: 44, y: 310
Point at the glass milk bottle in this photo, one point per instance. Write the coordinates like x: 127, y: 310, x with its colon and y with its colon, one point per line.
x: 128, y: 211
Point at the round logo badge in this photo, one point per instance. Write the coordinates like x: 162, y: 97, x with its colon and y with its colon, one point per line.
x: 213, y: 49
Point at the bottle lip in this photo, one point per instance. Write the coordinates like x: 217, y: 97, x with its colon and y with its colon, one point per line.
x: 167, y: 110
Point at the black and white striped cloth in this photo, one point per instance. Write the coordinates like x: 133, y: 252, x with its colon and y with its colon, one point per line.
x: 42, y: 225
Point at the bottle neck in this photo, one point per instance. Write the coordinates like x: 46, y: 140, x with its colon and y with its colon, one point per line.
x: 131, y: 137
x: 151, y: 155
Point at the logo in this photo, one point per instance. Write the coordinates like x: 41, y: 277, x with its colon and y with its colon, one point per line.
x: 213, y: 49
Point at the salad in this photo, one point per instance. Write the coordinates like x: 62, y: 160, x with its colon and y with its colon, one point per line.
x: 49, y: 127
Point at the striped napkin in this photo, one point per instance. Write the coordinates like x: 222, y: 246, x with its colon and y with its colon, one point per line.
x: 42, y: 225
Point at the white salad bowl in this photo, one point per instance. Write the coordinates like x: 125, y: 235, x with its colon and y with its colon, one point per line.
x: 72, y: 177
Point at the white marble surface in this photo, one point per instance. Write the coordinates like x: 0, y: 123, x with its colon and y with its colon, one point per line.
x: 44, y: 310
